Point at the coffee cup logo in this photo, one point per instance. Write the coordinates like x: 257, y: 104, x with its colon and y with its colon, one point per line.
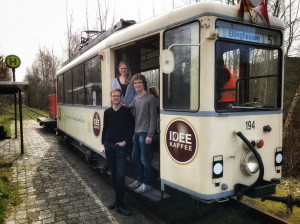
x: 181, y: 141
x: 96, y: 124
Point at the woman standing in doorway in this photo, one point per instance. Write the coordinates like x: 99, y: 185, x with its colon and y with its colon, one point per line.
x: 122, y: 82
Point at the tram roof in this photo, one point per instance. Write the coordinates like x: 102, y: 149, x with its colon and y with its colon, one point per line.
x: 8, y: 87
x: 169, y: 19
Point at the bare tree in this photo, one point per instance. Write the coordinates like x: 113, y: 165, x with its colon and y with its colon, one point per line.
x: 41, y: 77
x: 5, y: 74
x: 292, y: 21
x: 73, y: 38
x: 87, y: 14
x: 103, y: 13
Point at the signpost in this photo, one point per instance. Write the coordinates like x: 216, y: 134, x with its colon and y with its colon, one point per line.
x: 13, y: 62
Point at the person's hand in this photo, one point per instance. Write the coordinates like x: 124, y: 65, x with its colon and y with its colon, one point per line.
x: 102, y: 150
x: 148, y: 140
x: 126, y: 105
x: 121, y: 143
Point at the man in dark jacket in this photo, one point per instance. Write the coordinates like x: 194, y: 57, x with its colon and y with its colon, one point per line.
x: 117, y: 132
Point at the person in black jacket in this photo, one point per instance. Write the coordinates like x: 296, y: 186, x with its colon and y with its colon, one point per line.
x: 118, y: 129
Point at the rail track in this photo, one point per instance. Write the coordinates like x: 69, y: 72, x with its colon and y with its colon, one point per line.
x: 45, y: 121
x: 26, y: 109
x: 181, y: 208
x: 27, y: 114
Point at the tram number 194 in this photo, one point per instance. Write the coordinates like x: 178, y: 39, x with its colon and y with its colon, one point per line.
x: 250, y: 125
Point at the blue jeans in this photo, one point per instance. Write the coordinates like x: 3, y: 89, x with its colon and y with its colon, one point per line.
x: 116, y: 157
x: 141, y: 155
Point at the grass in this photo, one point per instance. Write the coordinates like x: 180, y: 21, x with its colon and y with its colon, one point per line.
x: 286, y: 187
x: 7, y: 116
x: 32, y: 114
x: 8, y: 191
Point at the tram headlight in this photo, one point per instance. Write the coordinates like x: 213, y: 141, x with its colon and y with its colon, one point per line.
x: 249, y: 164
x: 217, y: 167
x: 278, y: 158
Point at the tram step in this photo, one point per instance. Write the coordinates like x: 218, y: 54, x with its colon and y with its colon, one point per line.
x: 47, y: 122
x: 154, y: 194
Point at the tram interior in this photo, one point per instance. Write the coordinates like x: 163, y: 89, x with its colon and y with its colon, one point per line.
x: 256, y: 75
x: 143, y: 57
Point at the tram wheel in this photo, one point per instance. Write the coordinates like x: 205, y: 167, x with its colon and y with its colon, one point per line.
x: 88, y: 157
x: 65, y: 139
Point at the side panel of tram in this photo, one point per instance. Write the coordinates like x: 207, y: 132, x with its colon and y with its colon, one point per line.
x: 79, y: 111
x: 82, y: 124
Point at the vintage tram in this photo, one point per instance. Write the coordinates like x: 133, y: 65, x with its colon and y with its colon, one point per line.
x: 205, y: 147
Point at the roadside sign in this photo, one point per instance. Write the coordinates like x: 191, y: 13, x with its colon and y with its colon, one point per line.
x: 12, y: 61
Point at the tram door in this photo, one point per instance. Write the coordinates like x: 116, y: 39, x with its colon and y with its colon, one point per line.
x: 143, y: 57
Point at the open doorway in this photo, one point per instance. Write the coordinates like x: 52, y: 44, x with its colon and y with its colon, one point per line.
x: 143, y: 57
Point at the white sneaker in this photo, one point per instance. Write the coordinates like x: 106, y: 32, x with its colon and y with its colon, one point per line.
x: 134, y: 185
x: 143, y: 188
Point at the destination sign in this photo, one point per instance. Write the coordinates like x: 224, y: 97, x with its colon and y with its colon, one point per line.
x: 243, y: 35
x: 247, y: 33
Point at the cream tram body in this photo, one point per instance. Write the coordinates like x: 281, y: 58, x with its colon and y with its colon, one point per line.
x: 200, y: 152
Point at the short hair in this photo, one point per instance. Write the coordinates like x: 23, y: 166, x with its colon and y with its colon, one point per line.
x: 139, y: 76
x: 115, y: 90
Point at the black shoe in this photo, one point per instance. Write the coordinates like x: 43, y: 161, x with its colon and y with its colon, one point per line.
x: 123, y: 210
x: 112, y: 205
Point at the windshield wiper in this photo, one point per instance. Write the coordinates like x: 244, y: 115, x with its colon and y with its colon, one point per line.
x: 249, y: 108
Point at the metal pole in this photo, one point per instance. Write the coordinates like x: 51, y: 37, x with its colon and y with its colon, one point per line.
x: 21, y: 121
x: 14, y: 74
x: 16, y: 128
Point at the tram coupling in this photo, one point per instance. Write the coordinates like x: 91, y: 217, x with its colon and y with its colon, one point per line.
x: 262, y: 189
x: 289, y: 201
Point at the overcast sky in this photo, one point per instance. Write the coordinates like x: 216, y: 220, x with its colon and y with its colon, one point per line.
x: 27, y: 25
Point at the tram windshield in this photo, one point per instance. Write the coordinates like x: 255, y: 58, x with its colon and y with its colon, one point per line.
x: 248, y: 75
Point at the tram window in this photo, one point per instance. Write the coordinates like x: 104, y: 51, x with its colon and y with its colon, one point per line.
x: 93, y: 82
x: 60, y: 91
x: 78, y: 81
x: 68, y: 87
x: 181, y: 87
x: 152, y: 77
x: 255, y: 77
